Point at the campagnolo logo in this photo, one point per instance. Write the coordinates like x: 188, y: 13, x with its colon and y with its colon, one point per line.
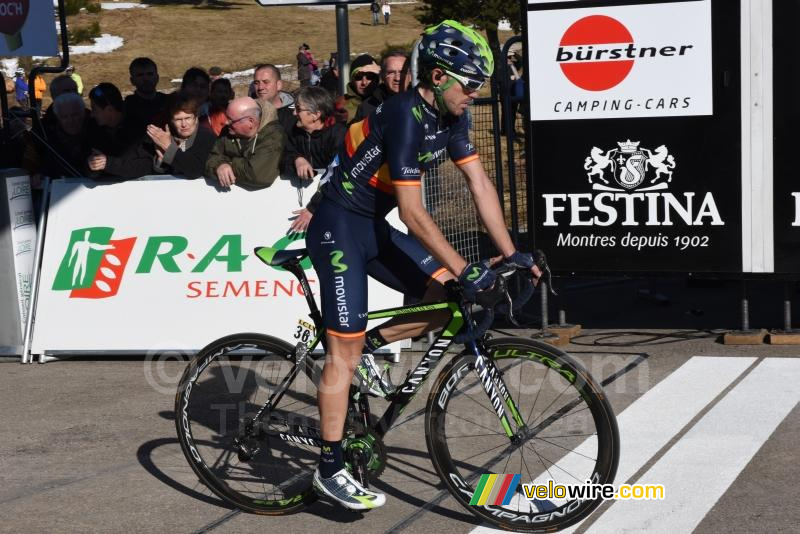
x: 598, y: 52
x: 629, y: 185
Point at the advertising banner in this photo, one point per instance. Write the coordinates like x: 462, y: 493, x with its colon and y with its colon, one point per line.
x: 786, y: 72
x: 23, y: 236
x: 635, y: 143
x: 169, y: 265
x: 28, y: 28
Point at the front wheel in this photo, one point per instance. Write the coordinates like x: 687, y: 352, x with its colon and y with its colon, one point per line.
x: 563, y: 429
x: 247, y: 430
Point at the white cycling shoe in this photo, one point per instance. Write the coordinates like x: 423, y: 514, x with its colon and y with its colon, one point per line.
x: 345, y: 490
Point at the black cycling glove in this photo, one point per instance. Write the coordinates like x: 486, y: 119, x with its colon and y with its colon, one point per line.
x: 476, y: 277
x: 520, y: 260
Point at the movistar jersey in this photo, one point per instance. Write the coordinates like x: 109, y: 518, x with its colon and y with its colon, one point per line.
x: 393, y: 147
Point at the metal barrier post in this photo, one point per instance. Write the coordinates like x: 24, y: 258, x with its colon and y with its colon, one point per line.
x: 37, y: 268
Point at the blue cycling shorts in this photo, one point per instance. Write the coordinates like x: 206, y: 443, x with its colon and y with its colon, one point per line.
x: 345, y: 247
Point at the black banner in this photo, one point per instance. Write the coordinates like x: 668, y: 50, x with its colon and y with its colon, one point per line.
x: 786, y: 122
x: 638, y: 193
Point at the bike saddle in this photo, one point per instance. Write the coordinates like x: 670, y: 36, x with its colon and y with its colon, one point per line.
x: 277, y: 258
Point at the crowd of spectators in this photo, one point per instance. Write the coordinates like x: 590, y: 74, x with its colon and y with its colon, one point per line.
x: 201, y: 129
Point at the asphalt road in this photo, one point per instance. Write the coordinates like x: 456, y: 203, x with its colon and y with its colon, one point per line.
x: 89, y: 445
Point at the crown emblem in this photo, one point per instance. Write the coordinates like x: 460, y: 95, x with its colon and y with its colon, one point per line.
x: 628, y: 147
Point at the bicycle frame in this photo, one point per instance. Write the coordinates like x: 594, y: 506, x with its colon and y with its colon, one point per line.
x: 487, y: 372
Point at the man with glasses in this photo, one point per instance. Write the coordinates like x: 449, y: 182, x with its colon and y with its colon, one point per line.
x: 364, y: 76
x: 391, y: 77
x: 381, y: 166
x: 249, y: 150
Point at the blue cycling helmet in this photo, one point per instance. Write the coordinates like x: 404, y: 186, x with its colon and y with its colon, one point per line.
x: 455, y: 48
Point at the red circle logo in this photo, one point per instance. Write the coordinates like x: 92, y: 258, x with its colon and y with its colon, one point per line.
x: 589, y: 71
x: 12, y: 15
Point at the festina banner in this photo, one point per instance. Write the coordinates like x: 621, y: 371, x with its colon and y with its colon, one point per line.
x: 649, y: 178
x: 28, y: 28
x: 169, y: 265
x: 786, y: 192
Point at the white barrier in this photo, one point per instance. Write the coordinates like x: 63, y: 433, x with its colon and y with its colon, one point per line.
x: 17, y: 244
x: 168, y: 264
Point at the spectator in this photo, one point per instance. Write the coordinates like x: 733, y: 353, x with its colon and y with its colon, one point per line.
x: 146, y: 105
x: 220, y: 96
x: 197, y: 82
x: 112, y: 133
x: 312, y: 143
x: 269, y: 88
x: 363, y: 81
x: 330, y: 79
x: 316, y: 135
x: 392, y: 66
x: 305, y: 64
x: 387, y: 11
x: 70, y: 71
x: 21, y: 89
x: 249, y: 151
x: 375, y: 7
x: 215, y: 73
x: 180, y: 148
x: 39, y: 88
x: 66, y: 147
x: 60, y: 85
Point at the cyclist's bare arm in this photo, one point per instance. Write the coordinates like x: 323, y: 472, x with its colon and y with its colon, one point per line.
x: 485, y: 197
x: 422, y: 226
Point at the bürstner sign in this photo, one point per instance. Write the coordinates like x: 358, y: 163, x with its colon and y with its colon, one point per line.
x: 635, y: 146
x: 649, y: 60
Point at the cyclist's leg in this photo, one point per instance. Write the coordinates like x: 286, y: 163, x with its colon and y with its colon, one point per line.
x: 339, y: 242
x: 406, y: 266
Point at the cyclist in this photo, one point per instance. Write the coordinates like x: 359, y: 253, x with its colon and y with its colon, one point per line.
x: 381, y: 166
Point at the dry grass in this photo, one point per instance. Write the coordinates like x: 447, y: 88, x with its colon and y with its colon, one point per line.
x: 232, y: 35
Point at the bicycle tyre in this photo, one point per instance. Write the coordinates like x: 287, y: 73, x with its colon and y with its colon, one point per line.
x: 235, y: 375
x: 558, y: 448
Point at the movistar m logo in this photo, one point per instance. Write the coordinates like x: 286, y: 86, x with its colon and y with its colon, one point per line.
x: 425, y: 158
x: 336, y: 256
x: 417, y: 112
x: 474, y: 274
x: 347, y: 185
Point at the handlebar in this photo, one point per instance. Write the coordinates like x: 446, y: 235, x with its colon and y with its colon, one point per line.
x: 498, y: 298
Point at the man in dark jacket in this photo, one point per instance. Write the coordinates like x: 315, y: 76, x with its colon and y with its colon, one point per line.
x: 112, y: 133
x: 391, y: 74
x: 248, y: 152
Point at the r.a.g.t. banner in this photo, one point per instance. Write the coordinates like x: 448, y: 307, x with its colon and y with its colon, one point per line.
x: 635, y: 140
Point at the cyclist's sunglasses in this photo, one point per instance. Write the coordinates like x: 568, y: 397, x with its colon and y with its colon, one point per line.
x: 471, y: 84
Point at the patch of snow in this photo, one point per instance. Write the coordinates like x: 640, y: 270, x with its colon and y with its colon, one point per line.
x: 121, y: 5
x: 102, y: 45
x: 9, y: 67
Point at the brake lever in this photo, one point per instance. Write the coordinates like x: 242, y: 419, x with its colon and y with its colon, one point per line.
x: 547, y: 274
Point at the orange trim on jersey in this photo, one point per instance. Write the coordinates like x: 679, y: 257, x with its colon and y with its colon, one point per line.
x: 462, y: 161
x: 405, y: 184
x: 439, y: 272
x: 381, y: 186
x: 346, y: 335
x: 355, y: 136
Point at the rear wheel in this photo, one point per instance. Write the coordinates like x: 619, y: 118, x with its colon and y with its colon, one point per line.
x: 262, y: 468
x: 565, y: 431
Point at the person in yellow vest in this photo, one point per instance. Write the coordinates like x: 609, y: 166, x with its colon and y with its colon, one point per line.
x: 76, y: 78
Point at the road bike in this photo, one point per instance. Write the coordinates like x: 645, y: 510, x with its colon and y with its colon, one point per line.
x: 246, y: 413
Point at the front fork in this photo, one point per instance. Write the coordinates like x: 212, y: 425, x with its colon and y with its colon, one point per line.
x: 502, y: 401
